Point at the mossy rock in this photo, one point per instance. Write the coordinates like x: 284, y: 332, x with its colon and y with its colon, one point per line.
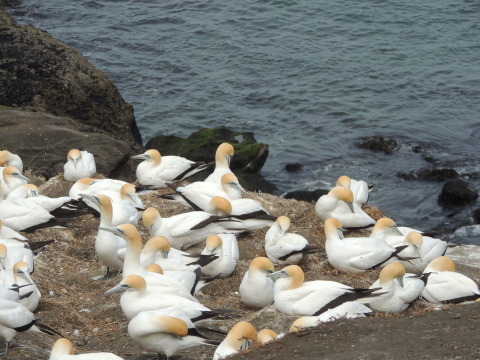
x: 201, y: 145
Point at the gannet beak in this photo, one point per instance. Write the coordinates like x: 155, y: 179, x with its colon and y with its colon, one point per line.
x: 2, y: 263
x: 20, y: 176
x: 277, y: 274
x: 75, y: 161
x: 397, y: 230
x: 164, y: 254
x: 24, y: 276
x: 140, y: 157
x: 340, y: 233
x: 33, y: 193
x: 228, y: 159
x: 350, y: 205
x: 400, y: 280
x: 92, y: 198
x: 239, y: 187
x: 418, y: 251
x: 113, y: 230
x: 119, y: 287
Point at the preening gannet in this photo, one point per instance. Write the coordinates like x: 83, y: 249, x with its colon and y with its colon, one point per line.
x: 63, y: 350
x: 264, y: 336
x: 7, y: 159
x: 156, y: 170
x: 399, y: 288
x: 80, y: 164
x: 293, y: 296
x: 223, y: 156
x: 445, y: 286
x: 360, y: 188
x: 240, y: 337
x: 286, y: 248
x: 254, y: 279
x: 338, y: 204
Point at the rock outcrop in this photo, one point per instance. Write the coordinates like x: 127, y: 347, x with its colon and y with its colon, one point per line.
x: 457, y: 193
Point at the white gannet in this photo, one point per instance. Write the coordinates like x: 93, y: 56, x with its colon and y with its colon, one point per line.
x: 266, y: 335
x: 198, y: 195
x: 445, y: 286
x: 293, y: 296
x: 240, y: 337
x: 63, y: 350
x: 81, y: 186
x: 226, y: 248
x: 223, y: 156
x: 8, y: 233
x: 348, y: 310
x: 9, y: 159
x: 10, y: 255
x: 10, y: 179
x: 80, y: 164
x: 28, y: 291
x: 116, y: 212
x: 254, y: 279
x: 399, y: 288
x: 338, y: 204
x: 360, y: 188
x: 286, y: 248
x: 355, y: 254
x: 156, y: 170
x: 165, y: 332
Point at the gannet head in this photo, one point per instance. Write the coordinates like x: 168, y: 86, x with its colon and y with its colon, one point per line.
x: 127, y: 191
x: 283, y: 222
x: 265, y: 336
x: 126, y: 231
x: 5, y: 156
x: 442, y: 263
x: 225, y: 151
x: 333, y: 228
x: 62, y: 347
x: 392, y: 271
x: 343, y: 194
x: 212, y: 243
x: 304, y: 322
x: 293, y: 272
x: 149, y: 217
x: 158, y: 243
x: 416, y: 239
x: 241, y: 336
x: 222, y: 204
x: 386, y: 223
x: 134, y: 282
x: 149, y: 155
x: 171, y: 325
x: 12, y: 172
x: 263, y: 264
x: 155, y: 268
x: 21, y: 269
x: 344, y: 181
x: 74, y: 156
x: 231, y: 180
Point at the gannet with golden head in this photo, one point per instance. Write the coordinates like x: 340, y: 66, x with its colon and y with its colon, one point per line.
x: 338, y: 204
x: 286, y: 248
x: 156, y: 170
x: 240, y: 337
x: 293, y: 296
x: 445, y: 286
x: 254, y: 279
x: 266, y: 335
x: 360, y: 188
x: 80, y: 164
x: 356, y: 254
x: 63, y: 350
x: 9, y: 159
x: 223, y: 156
x: 11, y: 178
x: 225, y: 246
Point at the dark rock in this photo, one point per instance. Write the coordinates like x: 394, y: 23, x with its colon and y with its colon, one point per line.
x: 378, y: 143
x: 294, y: 167
x: 249, y: 156
x: 40, y: 73
x: 457, y: 193
x: 43, y: 141
x: 309, y: 196
x: 9, y: 3
x: 476, y: 216
x: 430, y: 174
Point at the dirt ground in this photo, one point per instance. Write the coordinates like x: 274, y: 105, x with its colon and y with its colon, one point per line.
x: 76, y: 306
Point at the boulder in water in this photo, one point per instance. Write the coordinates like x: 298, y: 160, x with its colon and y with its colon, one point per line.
x: 378, y: 143
x: 457, y: 193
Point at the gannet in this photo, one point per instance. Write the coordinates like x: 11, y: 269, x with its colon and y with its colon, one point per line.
x: 338, y: 204
x: 80, y: 164
x: 8, y: 233
x: 11, y: 179
x: 63, y: 350
x: 360, y: 188
x: 187, y: 229
x: 355, y: 254
x: 165, y: 332
x: 20, y: 275
x: 198, y: 195
x: 445, y: 286
x: 347, y: 310
x: 118, y: 212
x: 157, y: 170
x: 399, y: 288
x: 9, y: 159
x: 226, y: 248
x: 10, y: 255
x: 240, y: 337
x: 223, y: 156
x: 286, y: 248
x: 293, y: 296
x: 254, y: 279
x: 264, y: 336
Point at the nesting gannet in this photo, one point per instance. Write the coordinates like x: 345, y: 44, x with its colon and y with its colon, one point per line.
x: 240, y: 337
x: 355, y: 254
x: 28, y: 291
x: 187, y: 229
x: 293, y: 296
x: 223, y: 156
x: 348, y: 310
x: 286, y: 248
x: 226, y: 248
x: 338, y: 204
x: 11, y: 179
x: 254, y: 279
x: 156, y: 170
x: 10, y: 255
x: 197, y: 195
x: 399, y: 288
x: 9, y: 159
x: 266, y: 335
x: 80, y: 164
x: 165, y: 332
x: 445, y: 286
x: 63, y: 350
x: 360, y: 188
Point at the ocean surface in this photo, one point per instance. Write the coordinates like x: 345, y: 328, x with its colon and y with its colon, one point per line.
x: 308, y: 77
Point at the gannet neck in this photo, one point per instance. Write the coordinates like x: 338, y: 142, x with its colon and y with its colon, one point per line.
x: 62, y: 347
x: 172, y: 325
x: 131, y: 263
x: 223, y: 155
x: 106, y: 210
